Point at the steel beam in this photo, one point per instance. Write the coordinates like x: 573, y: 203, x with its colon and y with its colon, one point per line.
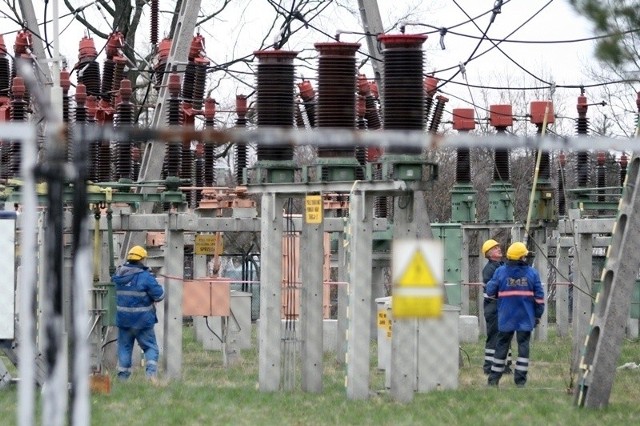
x: 604, y: 340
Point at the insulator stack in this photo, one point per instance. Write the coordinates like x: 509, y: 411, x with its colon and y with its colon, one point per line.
x: 136, y: 158
x: 81, y: 118
x: 463, y: 121
x: 5, y: 69
x: 125, y: 117
x: 118, y: 74
x: 624, y: 162
x: 582, y: 124
x: 199, y: 83
x: 241, y: 149
x: 436, y: 119
x: 361, y: 151
x: 210, y: 149
x: 583, y: 169
x: 161, y: 61
x: 308, y: 96
x: 187, y: 167
x: 562, y: 204
x: 430, y: 89
x: 299, y: 119
x: 199, y: 173
x: 638, y: 116
x: 172, y: 155
x: 108, y: 68
x: 336, y: 92
x: 65, y: 84
x: 275, y: 99
x: 542, y: 114
x: 154, y: 21
x: 372, y: 114
x: 18, y: 113
x: 501, y: 117
x: 403, y: 92
x: 601, y: 175
x: 104, y: 161
x: 188, y: 82
x: 88, y: 68
x: 21, y: 49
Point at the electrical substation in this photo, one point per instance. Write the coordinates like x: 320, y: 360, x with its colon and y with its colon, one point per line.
x: 328, y: 245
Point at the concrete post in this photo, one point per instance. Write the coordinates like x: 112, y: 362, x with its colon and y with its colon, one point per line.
x: 359, y: 313
x: 174, y: 269
x: 270, y: 351
x: 311, y: 318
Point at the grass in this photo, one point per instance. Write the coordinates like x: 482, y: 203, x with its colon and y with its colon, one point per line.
x: 212, y: 394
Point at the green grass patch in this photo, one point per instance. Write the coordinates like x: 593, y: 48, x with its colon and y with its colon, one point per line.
x: 211, y: 393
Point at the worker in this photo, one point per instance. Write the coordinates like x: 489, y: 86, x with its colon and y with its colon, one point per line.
x: 492, y: 251
x: 137, y: 291
x: 520, y: 306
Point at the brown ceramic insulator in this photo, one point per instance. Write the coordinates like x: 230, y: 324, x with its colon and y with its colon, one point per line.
x: 118, y: 74
x: 154, y: 21
x: 241, y: 149
x: 136, y: 158
x: 436, y: 118
x: 336, y: 100
x: 188, y: 82
x: 125, y: 117
x: 624, y: 161
x: 172, y: 159
x: 299, y: 119
x: 403, y: 85
x: 89, y: 75
x: 601, y: 175
x: 502, y: 168
x: 105, y: 173
x: 199, y: 83
x: 275, y: 99
x: 562, y: 201
x: 5, y: 75
x: 463, y: 166
x: 187, y: 166
x: 308, y: 96
x: 80, y: 118
x: 582, y: 124
x: 19, y: 113
x: 161, y: 61
x: 199, y: 172
x: 108, y: 68
x: 583, y: 169
x: 209, y: 150
x: 430, y: 87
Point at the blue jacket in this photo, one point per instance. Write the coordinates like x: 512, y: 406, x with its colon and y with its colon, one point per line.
x: 520, y: 296
x: 136, y: 292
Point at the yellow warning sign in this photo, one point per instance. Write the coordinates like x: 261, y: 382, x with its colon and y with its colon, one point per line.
x: 313, y: 208
x: 418, y: 273
x: 418, y: 288
x: 208, y: 244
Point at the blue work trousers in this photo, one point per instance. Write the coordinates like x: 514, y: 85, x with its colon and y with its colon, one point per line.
x: 146, y: 338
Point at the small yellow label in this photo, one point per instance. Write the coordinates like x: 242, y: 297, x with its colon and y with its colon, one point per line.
x: 208, y: 244
x: 313, y: 209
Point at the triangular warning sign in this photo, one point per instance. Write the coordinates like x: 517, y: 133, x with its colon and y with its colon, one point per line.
x: 418, y: 273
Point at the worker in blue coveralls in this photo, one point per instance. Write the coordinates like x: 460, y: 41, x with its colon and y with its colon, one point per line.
x: 492, y: 251
x: 137, y: 291
x: 520, y: 306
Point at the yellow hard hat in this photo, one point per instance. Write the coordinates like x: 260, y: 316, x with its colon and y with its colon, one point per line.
x: 517, y: 251
x: 137, y: 253
x: 488, y: 245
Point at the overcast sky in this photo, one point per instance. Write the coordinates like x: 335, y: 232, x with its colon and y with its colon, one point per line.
x: 240, y: 29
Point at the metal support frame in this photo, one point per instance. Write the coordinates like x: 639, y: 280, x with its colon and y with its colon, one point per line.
x: 153, y: 156
x: 372, y: 24
x: 604, y: 338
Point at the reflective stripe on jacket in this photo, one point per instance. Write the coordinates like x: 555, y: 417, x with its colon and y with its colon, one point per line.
x: 136, y: 292
x: 520, y: 296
